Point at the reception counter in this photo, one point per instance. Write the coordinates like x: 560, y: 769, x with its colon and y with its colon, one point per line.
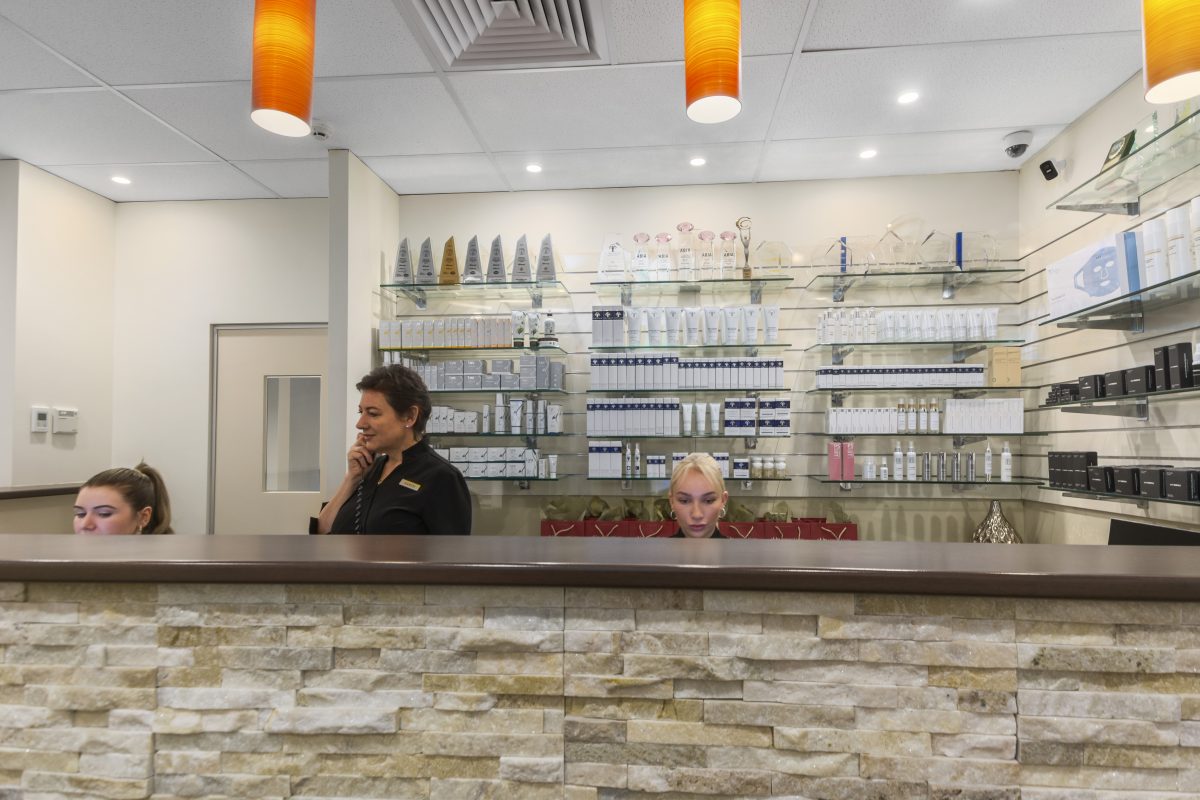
x: 319, y: 667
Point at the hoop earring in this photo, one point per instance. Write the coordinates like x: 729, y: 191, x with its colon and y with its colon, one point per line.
x: 722, y: 512
x: 672, y: 513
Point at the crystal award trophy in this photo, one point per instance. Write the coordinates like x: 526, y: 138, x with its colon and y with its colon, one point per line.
x: 728, y: 256
x: 448, y: 276
x: 641, y: 257
x: 496, y: 272
x: 706, y: 257
x: 743, y: 226
x: 612, y: 260
x: 662, y: 257
x: 545, y: 265
x: 684, y: 254
x: 520, y: 268
x: 426, y: 274
x: 473, y: 268
x: 402, y: 271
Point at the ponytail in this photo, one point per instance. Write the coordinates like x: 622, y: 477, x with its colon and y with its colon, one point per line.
x: 160, y: 509
x: 141, y: 486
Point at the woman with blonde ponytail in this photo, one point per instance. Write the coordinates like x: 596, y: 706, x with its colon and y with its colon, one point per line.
x: 123, y: 501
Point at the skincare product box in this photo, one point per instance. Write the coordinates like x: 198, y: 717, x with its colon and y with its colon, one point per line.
x: 1114, y: 383
x: 1179, y: 363
x: 1091, y: 387
x: 1004, y: 366
x: 1139, y: 380
x: 1092, y: 275
x: 1151, y: 482
x: 1127, y: 480
x: 1162, y: 370
x: 1100, y: 479
x: 1181, y: 484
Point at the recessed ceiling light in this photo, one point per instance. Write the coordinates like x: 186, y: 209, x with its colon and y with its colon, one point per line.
x: 533, y: 167
x: 908, y: 97
x: 698, y: 161
x: 868, y: 154
x: 121, y: 179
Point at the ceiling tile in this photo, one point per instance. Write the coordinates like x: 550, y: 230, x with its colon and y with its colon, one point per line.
x: 438, y: 174
x: 24, y: 64
x: 290, y: 177
x: 903, y: 154
x: 641, y: 31
x: 641, y: 166
x: 603, y: 107
x: 86, y: 126
x: 144, y: 41
x: 871, y: 23
x: 213, y: 181
x: 983, y: 85
x: 365, y: 37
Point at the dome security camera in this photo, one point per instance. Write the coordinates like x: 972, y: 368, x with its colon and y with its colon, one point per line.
x: 1017, y: 142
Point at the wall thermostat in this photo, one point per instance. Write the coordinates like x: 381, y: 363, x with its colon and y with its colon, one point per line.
x: 66, y: 420
x: 39, y: 419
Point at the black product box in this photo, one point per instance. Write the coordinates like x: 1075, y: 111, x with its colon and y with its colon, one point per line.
x: 1091, y: 387
x: 1162, y: 370
x: 1114, y: 383
x: 1181, y: 484
x: 1139, y: 380
x: 1127, y: 480
x: 1069, y: 470
x: 1151, y: 481
x: 1100, y: 479
x: 1179, y: 359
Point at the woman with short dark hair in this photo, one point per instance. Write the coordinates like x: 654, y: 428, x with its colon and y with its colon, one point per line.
x: 394, y: 481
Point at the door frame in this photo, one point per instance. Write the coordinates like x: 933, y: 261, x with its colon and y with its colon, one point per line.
x: 215, y: 330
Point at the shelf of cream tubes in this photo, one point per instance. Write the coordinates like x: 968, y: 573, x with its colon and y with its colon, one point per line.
x: 925, y: 324
x: 1002, y: 415
x: 712, y: 326
x: 668, y: 370
x: 747, y: 417
x: 611, y: 460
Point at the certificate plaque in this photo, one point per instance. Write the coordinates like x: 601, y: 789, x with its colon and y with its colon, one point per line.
x: 402, y: 270
x: 545, y: 265
x: 520, y: 268
x: 495, y: 270
x: 473, y: 268
x: 448, y: 276
x: 426, y: 273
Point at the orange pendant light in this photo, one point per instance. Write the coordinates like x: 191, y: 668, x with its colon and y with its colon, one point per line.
x: 1171, y: 49
x: 284, y: 34
x: 712, y: 54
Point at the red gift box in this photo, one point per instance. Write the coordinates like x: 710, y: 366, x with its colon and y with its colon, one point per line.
x: 603, y: 527
x: 646, y: 529
x: 741, y: 530
x: 558, y: 527
x: 839, y: 531
x: 781, y: 530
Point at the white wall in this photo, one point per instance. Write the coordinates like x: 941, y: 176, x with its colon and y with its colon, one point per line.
x: 9, y: 182
x: 799, y: 213
x: 182, y: 267
x: 1059, y: 354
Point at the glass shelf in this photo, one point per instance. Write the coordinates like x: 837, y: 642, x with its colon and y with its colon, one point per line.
x: 673, y: 392
x: 517, y: 480
x: 710, y: 436
x: 859, y: 482
x: 760, y: 283
x: 1134, y: 499
x: 552, y: 348
x: 1127, y: 312
x: 1135, y: 406
x: 693, y: 348
x: 980, y: 436
x: 497, y: 391
x: 960, y: 349
x: 484, y: 293
x: 907, y: 276
x: 1169, y: 153
x: 667, y: 480
x: 498, y: 435
x: 1166, y: 394
x: 919, y: 390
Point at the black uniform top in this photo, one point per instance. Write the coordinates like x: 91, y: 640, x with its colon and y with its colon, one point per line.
x: 424, y: 494
x: 679, y: 534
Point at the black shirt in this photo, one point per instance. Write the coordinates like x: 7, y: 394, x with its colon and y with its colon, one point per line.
x: 424, y: 494
x: 679, y: 534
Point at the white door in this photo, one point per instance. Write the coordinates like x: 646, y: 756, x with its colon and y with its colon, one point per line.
x: 267, y: 428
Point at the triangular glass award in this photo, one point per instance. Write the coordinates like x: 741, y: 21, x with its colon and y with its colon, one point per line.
x: 449, y: 272
x: 496, y: 272
x: 473, y: 269
x: 545, y: 267
x: 402, y: 271
x: 426, y: 274
x: 520, y: 268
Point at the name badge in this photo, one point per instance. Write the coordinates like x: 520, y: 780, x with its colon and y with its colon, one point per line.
x: 407, y: 484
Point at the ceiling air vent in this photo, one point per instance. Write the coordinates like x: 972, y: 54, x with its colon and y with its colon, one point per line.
x: 491, y: 34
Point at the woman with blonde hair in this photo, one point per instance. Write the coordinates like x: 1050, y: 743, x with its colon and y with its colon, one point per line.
x: 123, y: 501
x: 698, y: 497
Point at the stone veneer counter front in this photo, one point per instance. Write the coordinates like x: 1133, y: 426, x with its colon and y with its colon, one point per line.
x: 395, y: 667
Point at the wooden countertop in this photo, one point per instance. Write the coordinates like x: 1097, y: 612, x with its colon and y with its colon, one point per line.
x: 1147, y: 573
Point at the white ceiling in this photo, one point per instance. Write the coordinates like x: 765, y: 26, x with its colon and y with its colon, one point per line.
x: 158, y: 90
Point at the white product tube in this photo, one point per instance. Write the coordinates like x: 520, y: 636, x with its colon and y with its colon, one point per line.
x: 733, y: 325
x: 691, y: 318
x: 1154, y: 238
x: 514, y: 416
x: 1194, y: 219
x: 750, y: 316
x: 712, y: 325
x: 701, y: 414
x: 991, y: 322
x: 485, y: 420
x: 657, y: 323
x: 770, y: 324
x: 714, y: 416
x: 674, y: 318
x: 553, y: 459
x: 687, y: 418
x: 632, y: 331
x: 518, y: 328
x: 1179, y: 244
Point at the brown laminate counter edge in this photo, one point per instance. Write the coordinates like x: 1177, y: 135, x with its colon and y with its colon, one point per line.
x: 50, y: 490
x: 1145, y: 573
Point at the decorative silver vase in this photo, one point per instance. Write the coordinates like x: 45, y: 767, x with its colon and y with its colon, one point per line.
x: 995, y: 528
